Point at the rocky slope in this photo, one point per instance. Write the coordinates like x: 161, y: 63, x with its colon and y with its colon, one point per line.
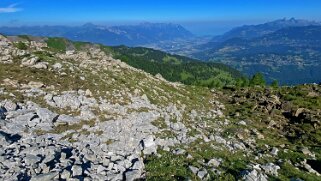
x: 83, y: 115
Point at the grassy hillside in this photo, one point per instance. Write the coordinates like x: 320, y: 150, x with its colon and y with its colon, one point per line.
x: 178, y: 68
x: 174, y: 68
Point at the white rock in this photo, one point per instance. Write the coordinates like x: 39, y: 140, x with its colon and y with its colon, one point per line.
x: 274, y: 151
x: 149, y: 145
x: 76, y: 170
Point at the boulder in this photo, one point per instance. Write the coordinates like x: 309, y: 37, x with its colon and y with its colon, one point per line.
x: 25, y: 117
x: 132, y: 175
x: 10, y: 106
x: 29, y: 61
x: 65, y: 119
x: 193, y: 169
x: 57, y: 66
x: 77, y: 170
x: 46, y: 115
x: 149, y: 145
x: 35, y: 85
x: 298, y: 112
x: 40, y: 65
x: 215, y: 162
x: 271, y: 169
x: 253, y: 175
x: 31, y: 159
x: 45, y: 177
x: 87, y: 115
x: 65, y: 174
x: 202, y: 174
x: 274, y: 151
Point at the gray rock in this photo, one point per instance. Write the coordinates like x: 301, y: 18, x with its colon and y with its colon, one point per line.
x: 239, y: 146
x: 35, y: 85
x: 57, y: 66
x: 179, y: 151
x: 10, y: 106
x: 253, y: 175
x: 3, y: 138
x: 87, y: 115
x: 118, y: 177
x: 132, y: 175
x: 100, y: 169
x: 29, y: 62
x: 41, y: 65
x: 271, y: 169
x: 306, y: 151
x: 45, y: 177
x: 220, y: 140
x: 76, y: 170
x: 67, y: 100
x: 201, y: 174
x: 193, y: 169
x: 64, y: 119
x: 296, y: 179
x: 274, y: 151
x: 119, y: 168
x: 309, y: 168
x: 65, y: 174
x: 31, y: 159
x: 138, y: 165
x: 46, y: 115
x: 149, y: 146
x: 25, y: 117
x: 214, y: 162
x: 177, y: 126
x: 34, y: 122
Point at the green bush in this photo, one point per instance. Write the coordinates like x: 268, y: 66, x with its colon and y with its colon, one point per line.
x: 21, y: 46
x: 57, y: 44
x: 257, y: 80
x: 275, y: 84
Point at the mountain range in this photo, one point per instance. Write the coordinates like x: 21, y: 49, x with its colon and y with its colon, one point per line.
x: 287, y: 50
x: 130, y: 35
x: 254, y: 31
x: 290, y: 54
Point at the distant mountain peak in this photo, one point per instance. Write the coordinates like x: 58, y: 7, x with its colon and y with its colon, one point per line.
x: 149, y: 24
x: 89, y: 25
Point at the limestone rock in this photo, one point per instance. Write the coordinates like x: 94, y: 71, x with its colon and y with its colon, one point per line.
x: 149, y: 146
x: 132, y: 175
x: 271, y: 169
x: 46, y: 115
x: 253, y: 175
x: 45, y: 177
x: 77, y: 170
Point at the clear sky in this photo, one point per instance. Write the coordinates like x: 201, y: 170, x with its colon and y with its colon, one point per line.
x: 200, y: 16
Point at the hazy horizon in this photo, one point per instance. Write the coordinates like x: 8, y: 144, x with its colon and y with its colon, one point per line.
x: 202, y: 18
x: 199, y: 28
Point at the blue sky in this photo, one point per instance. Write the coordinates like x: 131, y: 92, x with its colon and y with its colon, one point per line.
x: 200, y: 16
